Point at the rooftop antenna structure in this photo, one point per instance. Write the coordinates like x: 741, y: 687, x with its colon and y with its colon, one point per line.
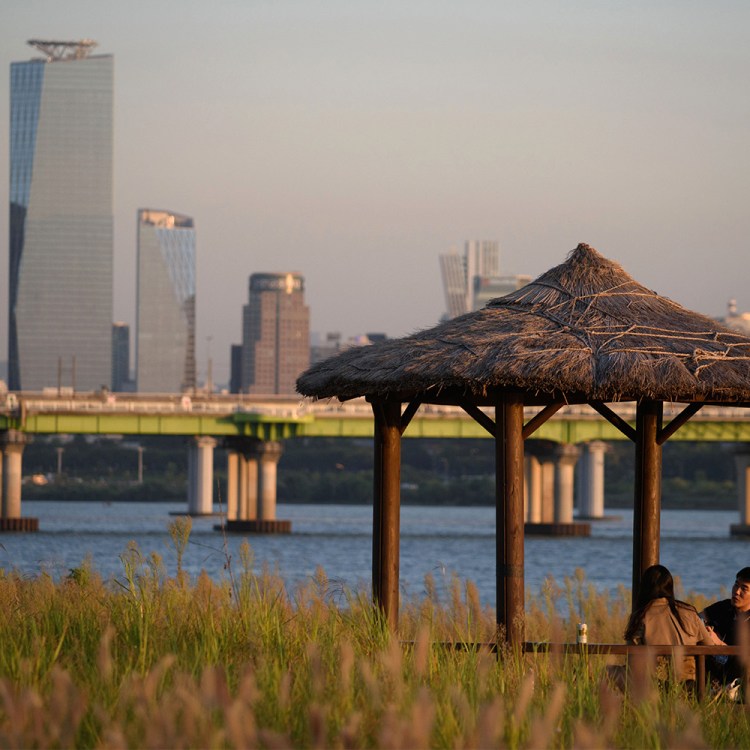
x: 56, y: 50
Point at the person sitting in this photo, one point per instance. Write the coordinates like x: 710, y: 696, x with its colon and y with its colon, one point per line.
x: 661, y: 620
x: 723, y: 620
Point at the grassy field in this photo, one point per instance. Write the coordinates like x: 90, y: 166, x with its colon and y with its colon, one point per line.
x: 155, y: 660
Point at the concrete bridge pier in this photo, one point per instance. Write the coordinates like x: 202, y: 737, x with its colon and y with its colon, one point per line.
x: 12, y: 444
x: 742, y: 463
x: 251, y: 486
x: 201, y: 476
x: 567, y: 457
x: 532, y: 489
x: 591, y: 481
x: 550, y: 473
x: 539, y: 483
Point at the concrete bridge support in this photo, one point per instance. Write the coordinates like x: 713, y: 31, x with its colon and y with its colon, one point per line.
x: 550, y: 491
x: 591, y: 481
x: 12, y: 444
x: 565, y: 464
x: 539, y: 482
x: 533, y: 489
x: 201, y: 476
x: 742, y: 463
x: 251, y: 486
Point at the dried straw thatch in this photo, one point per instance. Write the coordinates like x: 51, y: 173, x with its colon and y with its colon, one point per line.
x: 582, y: 331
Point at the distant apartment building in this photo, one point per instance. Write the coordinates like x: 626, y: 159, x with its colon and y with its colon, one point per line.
x: 471, y: 279
x: 275, y: 334
x: 489, y: 287
x: 736, y: 320
x: 61, y: 246
x: 165, y: 307
x: 333, y: 344
x: 325, y: 348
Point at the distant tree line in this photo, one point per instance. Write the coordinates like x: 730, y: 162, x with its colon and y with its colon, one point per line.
x: 339, y: 470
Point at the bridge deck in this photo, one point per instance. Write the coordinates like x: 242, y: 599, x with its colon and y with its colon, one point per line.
x: 277, y: 418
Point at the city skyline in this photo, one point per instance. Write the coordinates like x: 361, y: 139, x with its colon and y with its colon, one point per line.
x: 357, y: 144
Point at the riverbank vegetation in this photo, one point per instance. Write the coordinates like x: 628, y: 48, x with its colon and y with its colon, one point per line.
x: 320, y: 470
x: 153, y: 659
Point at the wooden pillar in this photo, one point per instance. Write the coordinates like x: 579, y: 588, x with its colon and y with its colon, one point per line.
x: 509, y: 514
x: 647, y: 507
x: 742, y: 463
x: 386, y: 508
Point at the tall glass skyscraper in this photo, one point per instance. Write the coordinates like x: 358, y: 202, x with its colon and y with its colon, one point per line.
x: 60, y: 300
x: 165, y: 339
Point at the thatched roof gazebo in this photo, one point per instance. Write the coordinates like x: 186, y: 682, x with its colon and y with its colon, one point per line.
x: 584, y: 332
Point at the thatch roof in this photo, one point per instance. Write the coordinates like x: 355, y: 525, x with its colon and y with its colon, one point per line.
x: 582, y: 331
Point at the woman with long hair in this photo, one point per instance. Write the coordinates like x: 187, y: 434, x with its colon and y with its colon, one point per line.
x: 661, y: 620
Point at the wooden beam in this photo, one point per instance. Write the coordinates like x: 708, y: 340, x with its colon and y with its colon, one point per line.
x: 647, y: 505
x: 614, y: 419
x: 684, y: 416
x: 537, y: 421
x: 409, y: 413
x: 478, y: 416
x: 509, y: 515
x: 386, y: 508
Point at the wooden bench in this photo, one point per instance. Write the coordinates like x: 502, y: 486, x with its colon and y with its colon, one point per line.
x: 606, y: 649
x: 621, y: 649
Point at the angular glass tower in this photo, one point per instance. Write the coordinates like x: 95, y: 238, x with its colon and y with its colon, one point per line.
x: 60, y: 281
x: 165, y: 338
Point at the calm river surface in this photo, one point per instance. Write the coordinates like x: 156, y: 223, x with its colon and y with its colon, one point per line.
x: 443, y: 541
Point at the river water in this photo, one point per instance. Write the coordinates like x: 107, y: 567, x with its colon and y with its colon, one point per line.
x: 442, y: 541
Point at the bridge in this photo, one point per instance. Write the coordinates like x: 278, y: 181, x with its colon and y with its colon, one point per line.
x: 252, y: 429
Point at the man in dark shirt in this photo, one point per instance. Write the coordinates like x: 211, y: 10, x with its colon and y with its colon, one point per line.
x: 723, y: 620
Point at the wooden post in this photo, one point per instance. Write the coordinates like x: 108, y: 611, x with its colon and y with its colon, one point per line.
x: 509, y: 514
x: 386, y: 509
x: 647, y: 507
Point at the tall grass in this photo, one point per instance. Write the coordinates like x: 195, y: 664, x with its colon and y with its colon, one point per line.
x: 153, y: 660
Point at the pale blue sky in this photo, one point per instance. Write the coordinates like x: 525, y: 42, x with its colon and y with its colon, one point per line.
x: 356, y: 141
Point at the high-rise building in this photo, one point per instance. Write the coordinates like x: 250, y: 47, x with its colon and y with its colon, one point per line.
x: 275, y: 333
x: 453, y: 269
x: 120, y: 357
x: 60, y: 275
x: 472, y: 279
x: 235, y: 368
x: 165, y: 308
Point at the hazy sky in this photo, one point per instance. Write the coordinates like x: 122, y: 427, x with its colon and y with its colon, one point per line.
x: 355, y: 141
